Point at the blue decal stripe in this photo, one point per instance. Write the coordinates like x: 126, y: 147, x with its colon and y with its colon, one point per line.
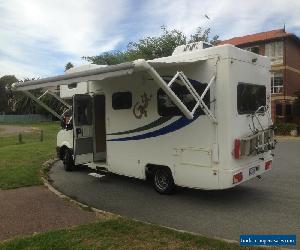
x: 178, y: 124
x: 153, y: 124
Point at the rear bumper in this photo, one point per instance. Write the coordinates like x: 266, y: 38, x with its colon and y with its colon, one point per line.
x: 226, y: 180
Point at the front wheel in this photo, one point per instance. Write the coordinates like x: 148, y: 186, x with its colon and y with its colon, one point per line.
x: 163, y: 181
x: 68, y: 160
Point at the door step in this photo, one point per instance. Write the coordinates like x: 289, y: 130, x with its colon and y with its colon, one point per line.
x: 99, y: 166
x: 102, y: 170
x: 96, y: 175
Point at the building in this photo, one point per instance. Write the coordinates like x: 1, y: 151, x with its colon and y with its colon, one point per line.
x: 284, y: 51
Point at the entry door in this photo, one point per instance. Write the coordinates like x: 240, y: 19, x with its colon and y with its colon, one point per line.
x: 83, y: 129
x: 100, y: 128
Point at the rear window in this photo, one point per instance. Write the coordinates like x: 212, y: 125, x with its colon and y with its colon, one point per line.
x: 250, y: 97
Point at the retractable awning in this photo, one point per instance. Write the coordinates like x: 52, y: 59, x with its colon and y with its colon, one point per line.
x: 83, y: 76
x: 98, y: 74
x: 126, y: 69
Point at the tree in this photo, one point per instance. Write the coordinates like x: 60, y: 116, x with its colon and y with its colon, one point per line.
x: 152, y: 47
x: 69, y: 65
x: 20, y: 103
x: 4, y: 96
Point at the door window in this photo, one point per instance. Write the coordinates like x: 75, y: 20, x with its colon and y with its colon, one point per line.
x: 83, y: 112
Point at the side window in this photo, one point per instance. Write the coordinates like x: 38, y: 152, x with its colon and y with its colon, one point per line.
x: 167, y: 108
x: 72, y: 85
x: 83, y: 112
x: 122, y: 100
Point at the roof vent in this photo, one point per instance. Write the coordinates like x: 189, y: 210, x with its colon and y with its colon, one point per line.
x: 191, y: 47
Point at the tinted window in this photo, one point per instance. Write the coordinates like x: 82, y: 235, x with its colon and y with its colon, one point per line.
x: 72, y: 86
x: 122, y: 100
x: 83, y: 112
x: 167, y: 108
x: 250, y: 97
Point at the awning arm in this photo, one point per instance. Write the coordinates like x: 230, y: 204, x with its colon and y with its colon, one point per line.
x: 45, y: 106
x: 166, y: 87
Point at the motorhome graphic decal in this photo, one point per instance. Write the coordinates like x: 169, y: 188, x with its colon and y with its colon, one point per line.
x: 153, y: 124
x: 178, y: 124
x: 140, y: 108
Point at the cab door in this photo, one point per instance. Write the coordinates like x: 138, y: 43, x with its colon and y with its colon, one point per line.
x: 83, y: 129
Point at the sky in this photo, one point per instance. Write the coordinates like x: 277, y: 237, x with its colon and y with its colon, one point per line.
x: 38, y: 37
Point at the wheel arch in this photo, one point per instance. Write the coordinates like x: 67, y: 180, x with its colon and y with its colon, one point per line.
x: 150, y: 168
x: 62, y: 151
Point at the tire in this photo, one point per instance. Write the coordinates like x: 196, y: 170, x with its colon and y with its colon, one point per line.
x: 163, y: 180
x: 68, y: 160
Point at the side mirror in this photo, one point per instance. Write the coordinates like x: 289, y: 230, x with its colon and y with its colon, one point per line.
x: 66, y: 123
x: 63, y: 123
x: 69, y: 126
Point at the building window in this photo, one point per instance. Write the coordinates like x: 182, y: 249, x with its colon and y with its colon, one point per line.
x: 288, y: 113
x: 250, y: 97
x: 274, y: 50
x: 253, y: 49
x: 166, y: 107
x: 279, y: 109
x: 276, y: 83
x: 122, y: 100
x: 288, y: 109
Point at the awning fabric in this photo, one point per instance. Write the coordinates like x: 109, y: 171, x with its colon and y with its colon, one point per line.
x: 100, y: 73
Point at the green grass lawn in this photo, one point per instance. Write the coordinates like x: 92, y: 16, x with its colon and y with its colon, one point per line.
x: 117, y: 233
x: 20, y: 164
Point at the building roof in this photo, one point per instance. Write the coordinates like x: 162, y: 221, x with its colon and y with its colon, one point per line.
x: 259, y: 37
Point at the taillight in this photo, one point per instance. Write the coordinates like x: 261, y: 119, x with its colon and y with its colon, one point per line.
x: 268, y: 165
x: 237, y: 148
x: 237, y: 177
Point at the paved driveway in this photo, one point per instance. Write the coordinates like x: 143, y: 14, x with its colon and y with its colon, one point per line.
x: 270, y: 205
x: 27, y: 210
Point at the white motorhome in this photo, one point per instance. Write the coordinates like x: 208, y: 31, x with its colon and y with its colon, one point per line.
x: 199, y: 118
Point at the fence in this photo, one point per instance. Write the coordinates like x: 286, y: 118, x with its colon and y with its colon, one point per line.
x: 24, y: 118
x: 21, y: 138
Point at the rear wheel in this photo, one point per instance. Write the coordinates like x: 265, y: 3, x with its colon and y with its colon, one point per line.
x: 68, y: 160
x: 163, y: 180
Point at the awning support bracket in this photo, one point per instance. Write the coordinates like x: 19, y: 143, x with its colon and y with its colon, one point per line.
x: 172, y: 95
x: 45, y: 106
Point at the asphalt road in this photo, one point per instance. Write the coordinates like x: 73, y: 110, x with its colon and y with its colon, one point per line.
x: 267, y: 206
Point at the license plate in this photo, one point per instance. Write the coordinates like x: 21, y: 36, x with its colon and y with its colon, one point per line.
x: 252, y: 170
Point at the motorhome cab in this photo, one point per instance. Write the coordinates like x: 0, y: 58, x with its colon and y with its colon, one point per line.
x: 199, y: 118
